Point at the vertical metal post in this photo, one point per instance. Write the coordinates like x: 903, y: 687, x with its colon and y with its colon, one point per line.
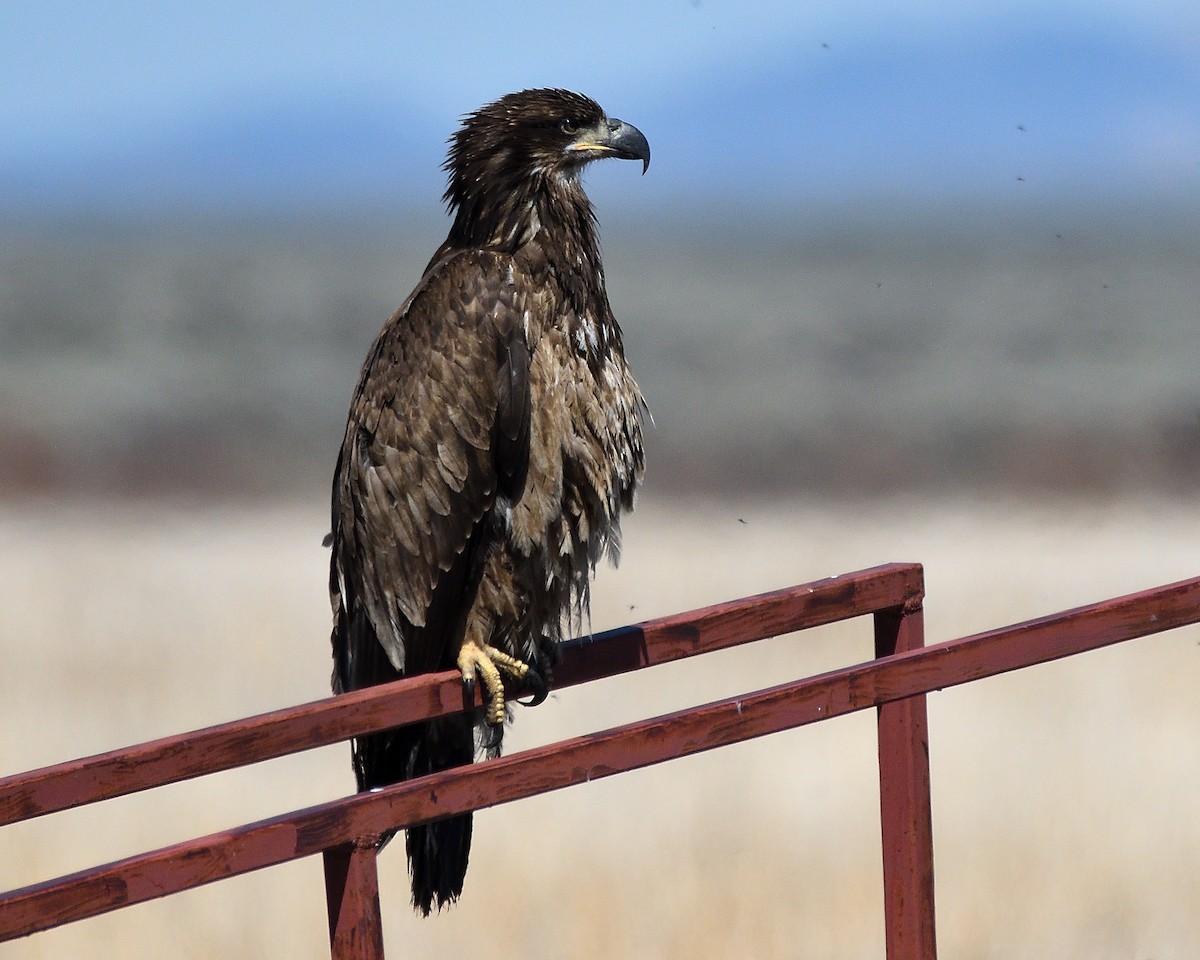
x: 352, y: 896
x: 904, y: 801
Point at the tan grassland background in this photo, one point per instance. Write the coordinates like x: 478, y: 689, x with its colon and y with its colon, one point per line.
x: 1064, y: 795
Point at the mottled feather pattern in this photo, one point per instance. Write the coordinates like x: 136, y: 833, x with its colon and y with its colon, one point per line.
x: 417, y: 485
x: 493, y: 441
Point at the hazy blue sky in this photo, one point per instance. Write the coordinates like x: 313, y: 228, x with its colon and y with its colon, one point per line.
x: 88, y: 79
x: 72, y: 67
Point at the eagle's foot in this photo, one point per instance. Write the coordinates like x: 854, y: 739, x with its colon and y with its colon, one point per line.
x: 486, y: 662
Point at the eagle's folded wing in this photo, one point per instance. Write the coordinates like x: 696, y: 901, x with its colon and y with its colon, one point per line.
x: 438, y: 429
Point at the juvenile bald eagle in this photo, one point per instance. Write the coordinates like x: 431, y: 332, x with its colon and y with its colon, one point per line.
x: 493, y: 441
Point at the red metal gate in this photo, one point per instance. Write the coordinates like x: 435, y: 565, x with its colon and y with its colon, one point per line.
x: 344, y: 831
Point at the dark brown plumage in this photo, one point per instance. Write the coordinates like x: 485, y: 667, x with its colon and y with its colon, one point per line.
x: 493, y: 441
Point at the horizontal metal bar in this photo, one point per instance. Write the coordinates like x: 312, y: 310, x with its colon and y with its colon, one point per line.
x: 241, y: 742
x: 1056, y: 636
x: 315, y: 829
x: 593, y: 756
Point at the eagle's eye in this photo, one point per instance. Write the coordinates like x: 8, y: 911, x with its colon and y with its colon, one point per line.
x: 569, y: 126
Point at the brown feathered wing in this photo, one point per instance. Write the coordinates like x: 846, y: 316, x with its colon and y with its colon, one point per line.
x: 435, y: 451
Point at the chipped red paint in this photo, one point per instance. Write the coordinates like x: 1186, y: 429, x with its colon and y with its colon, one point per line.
x: 904, y: 803
x: 352, y: 895
x: 895, y: 683
x: 322, y: 722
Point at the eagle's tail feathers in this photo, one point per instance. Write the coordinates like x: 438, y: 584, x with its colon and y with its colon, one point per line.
x: 437, y: 851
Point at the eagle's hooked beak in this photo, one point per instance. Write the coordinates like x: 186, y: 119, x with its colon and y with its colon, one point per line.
x: 616, y: 138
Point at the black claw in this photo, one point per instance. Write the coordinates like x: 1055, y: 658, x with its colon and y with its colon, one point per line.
x: 534, y: 681
x: 468, y: 691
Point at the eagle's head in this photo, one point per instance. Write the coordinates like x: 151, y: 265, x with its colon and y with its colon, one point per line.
x: 532, y: 140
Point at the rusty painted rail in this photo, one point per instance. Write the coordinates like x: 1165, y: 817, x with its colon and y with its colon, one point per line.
x: 343, y: 830
x: 322, y: 722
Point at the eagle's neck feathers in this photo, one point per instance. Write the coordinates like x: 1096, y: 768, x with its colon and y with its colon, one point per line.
x: 544, y: 210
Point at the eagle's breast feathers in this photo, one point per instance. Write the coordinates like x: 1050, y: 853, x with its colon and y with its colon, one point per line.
x: 495, y: 416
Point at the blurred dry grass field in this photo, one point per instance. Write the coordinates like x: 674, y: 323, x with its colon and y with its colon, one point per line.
x: 1065, y: 812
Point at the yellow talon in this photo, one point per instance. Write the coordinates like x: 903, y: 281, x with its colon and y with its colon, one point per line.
x: 486, y: 661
